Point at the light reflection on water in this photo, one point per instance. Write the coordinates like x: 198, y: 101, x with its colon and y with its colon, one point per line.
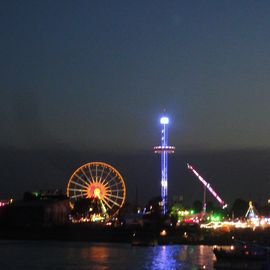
x: 35, y: 255
x: 181, y: 257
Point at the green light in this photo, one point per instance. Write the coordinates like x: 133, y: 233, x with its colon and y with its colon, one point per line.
x: 191, y: 212
x: 215, y: 218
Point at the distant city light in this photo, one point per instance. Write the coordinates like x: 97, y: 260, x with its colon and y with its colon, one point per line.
x: 164, y: 120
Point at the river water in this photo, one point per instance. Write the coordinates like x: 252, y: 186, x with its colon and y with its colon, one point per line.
x: 41, y: 255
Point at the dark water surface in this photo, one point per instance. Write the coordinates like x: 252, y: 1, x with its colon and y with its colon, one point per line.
x: 37, y: 255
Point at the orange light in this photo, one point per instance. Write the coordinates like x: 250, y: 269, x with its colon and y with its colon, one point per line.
x: 97, y: 193
x: 163, y: 233
x: 96, y: 190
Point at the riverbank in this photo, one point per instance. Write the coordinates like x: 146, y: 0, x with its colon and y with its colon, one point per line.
x: 183, y: 235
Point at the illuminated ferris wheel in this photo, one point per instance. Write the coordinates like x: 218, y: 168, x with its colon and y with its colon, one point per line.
x: 98, y: 180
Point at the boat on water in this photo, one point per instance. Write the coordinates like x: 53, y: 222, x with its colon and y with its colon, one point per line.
x: 242, y: 255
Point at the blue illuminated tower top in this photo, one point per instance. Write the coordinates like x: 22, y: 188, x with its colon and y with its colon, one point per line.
x: 164, y: 149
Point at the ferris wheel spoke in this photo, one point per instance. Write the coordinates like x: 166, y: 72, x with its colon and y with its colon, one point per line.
x: 78, y: 184
x: 115, y: 190
x: 91, y: 175
x: 109, y: 203
x: 100, y: 178
x: 81, y: 179
x: 89, y: 181
x: 76, y: 196
x: 110, y: 180
x: 115, y: 196
x: 115, y: 184
x: 96, y: 173
x: 104, y: 180
x: 77, y: 189
x: 107, y: 198
x: 103, y: 200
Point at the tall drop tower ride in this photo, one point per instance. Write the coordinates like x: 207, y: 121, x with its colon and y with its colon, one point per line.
x: 164, y: 149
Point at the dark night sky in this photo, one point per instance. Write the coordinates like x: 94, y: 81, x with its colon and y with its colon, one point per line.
x: 93, y: 77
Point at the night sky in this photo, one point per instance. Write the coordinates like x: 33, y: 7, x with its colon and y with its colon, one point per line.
x: 88, y: 80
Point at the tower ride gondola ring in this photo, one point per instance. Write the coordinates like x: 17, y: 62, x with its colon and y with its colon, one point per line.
x: 101, y: 181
